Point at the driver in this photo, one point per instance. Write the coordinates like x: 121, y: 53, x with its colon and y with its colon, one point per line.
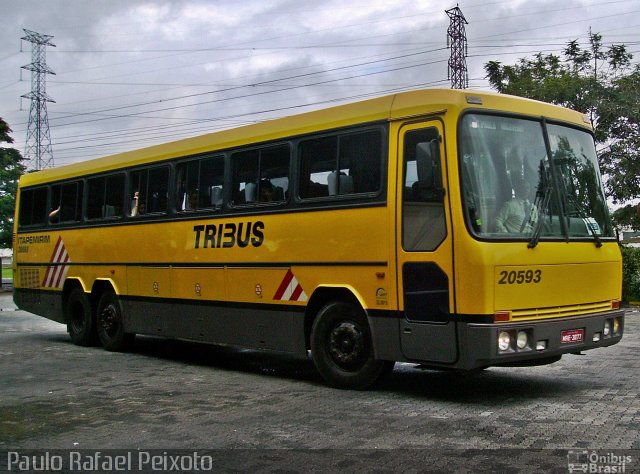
x: 518, y: 213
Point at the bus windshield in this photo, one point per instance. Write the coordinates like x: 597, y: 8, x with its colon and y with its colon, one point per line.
x: 512, y: 189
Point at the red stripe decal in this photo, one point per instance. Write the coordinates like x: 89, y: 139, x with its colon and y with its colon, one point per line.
x: 61, y: 272
x: 296, y: 293
x: 283, y: 286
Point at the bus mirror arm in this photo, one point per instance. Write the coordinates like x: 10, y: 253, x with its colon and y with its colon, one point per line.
x: 429, y: 168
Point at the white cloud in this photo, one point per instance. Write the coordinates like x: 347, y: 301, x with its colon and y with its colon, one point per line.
x: 130, y: 68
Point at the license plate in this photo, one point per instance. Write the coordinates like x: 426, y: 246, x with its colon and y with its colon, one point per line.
x: 572, y: 335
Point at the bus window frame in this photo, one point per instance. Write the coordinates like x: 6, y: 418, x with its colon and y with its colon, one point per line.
x: 174, y: 187
x: 78, y: 208
x: 106, y: 176
x: 129, y: 193
x: 293, y: 203
x: 45, y: 215
x: 230, y: 179
x: 329, y: 200
x: 442, y: 191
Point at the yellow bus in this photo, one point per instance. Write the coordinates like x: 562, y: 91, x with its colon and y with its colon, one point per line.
x: 455, y: 229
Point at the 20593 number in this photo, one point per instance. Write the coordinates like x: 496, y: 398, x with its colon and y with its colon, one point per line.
x: 520, y: 277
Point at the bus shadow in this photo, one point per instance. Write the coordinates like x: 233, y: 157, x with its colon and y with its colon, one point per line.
x: 491, y: 386
x: 230, y: 358
x: 494, y: 385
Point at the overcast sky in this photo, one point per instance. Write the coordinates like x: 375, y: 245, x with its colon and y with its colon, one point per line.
x: 132, y: 73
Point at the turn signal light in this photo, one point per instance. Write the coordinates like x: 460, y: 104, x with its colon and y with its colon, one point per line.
x: 501, y: 316
x: 615, y: 304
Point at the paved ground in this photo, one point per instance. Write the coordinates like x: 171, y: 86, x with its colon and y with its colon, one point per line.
x: 247, y: 406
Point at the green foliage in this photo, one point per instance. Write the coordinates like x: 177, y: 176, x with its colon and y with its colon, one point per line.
x: 627, y: 217
x: 600, y: 83
x: 11, y: 169
x: 4, y: 132
x: 630, y: 273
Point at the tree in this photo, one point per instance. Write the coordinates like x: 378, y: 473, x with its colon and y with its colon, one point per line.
x: 604, y: 85
x: 11, y: 169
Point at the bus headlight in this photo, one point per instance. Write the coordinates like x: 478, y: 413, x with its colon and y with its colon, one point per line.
x: 523, y: 340
x: 607, y: 328
x: 504, y: 341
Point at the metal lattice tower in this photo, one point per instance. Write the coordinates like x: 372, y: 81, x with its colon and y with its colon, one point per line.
x: 457, y: 41
x: 37, y: 151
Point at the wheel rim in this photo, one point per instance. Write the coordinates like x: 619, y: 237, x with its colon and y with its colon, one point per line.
x: 347, y: 346
x: 109, y: 320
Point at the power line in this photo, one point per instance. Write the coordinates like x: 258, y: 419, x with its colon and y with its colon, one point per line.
x: 253, y: 94
x: 279, y: 84
x: 280, y: 109
x: 259, y: 83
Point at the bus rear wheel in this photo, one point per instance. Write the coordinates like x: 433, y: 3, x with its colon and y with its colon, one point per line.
x: 79, y: 316
x: 111, y: 324
x: 342, y: 349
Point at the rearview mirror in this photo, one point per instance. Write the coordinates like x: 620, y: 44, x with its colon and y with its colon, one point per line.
x: 429, y: 171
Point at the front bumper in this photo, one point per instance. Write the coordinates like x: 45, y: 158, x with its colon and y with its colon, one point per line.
x: 479, y: 342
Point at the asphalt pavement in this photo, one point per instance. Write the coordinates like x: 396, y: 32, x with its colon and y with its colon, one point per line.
x: 265, y: 412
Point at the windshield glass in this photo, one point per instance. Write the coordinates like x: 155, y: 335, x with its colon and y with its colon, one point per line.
x: 512, y: 189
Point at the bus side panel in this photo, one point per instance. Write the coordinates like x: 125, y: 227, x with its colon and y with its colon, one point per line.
x: 385, y: 333
x: 253, y: 326
x: 47, y: 304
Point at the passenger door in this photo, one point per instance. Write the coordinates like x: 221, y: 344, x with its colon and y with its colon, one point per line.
x: 424, y: 245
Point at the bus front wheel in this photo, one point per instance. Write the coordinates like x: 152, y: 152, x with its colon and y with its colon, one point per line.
x: 79, y: 316
x: 111, y: 324
x: 341, y: 347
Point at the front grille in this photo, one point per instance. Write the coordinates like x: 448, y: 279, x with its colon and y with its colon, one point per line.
x: 561, y: 311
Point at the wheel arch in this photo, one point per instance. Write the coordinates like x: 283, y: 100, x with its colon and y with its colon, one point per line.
x: 100, y: 285
x: 69, y: 285
x: 320, y: 297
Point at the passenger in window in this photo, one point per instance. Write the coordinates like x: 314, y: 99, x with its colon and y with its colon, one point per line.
x: 54, y: 215
x: 188, y: 198
x: 517, y: 215
x: 266, y: 191
x: 135, y: 204
x: 191, y: 201
x: 183, y: 198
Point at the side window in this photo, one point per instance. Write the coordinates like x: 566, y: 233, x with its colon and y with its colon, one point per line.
x: 105, y: 197
x: 273, y: 185
x: 199, y: 184
x: 423, y: 225
x: 318, y: 158
x: 149, y: 189
x: 33, y: 207
x: 245, y: 176
x: 343, y: 164
x: 187, y: 185
x: 359, y: 163
x: 261, y: 176
x: 211, y: 182
x: 66, y: 203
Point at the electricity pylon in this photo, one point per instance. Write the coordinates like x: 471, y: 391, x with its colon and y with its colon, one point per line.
x: 457, y: 41
x: 38, y: 153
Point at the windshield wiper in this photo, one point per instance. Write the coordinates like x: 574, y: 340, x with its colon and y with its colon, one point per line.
x: 583, y: 215
x: 543, y: 210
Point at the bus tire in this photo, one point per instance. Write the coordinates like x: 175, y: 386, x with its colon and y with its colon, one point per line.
x: 341, y: 347
x: 110, y: 324
x: 79, y: 316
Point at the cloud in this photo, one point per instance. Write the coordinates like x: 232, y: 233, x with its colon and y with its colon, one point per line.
x: 130, y: 74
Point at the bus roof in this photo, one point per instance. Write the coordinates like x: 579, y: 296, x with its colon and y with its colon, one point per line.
x: 391, y: 107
